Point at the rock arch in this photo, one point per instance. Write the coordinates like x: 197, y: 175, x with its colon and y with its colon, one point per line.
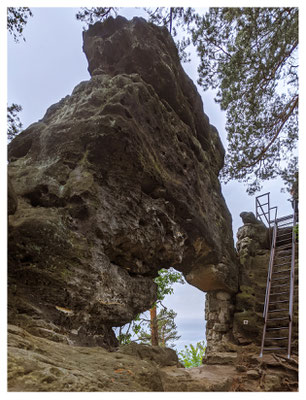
x: 118, y: 179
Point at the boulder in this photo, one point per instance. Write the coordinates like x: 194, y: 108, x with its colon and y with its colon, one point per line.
x: 162, y: 356
x: 249, y: 218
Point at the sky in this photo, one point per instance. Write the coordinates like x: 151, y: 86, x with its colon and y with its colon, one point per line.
x: 50, y: 63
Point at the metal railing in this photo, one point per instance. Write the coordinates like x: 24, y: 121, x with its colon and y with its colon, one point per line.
x: 264, y: 210
x: 291, y: 298
x: 268, y: 287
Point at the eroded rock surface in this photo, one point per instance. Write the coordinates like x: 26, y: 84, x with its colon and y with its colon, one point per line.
x: 36, y: 364
x: 115, y: 182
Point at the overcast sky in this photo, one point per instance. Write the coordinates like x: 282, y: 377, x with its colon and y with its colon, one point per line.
x: 51, y: 63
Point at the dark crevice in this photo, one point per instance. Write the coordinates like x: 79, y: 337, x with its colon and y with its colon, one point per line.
x: 41, y: 197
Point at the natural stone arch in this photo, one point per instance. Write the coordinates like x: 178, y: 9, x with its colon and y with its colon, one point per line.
x: 117, y: 180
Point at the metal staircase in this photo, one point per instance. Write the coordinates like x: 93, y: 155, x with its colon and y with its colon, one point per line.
x: 279, y: 298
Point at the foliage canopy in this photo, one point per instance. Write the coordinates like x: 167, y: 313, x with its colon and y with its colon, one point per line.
x: 17, y: 18
x: 16, y: 21
x: 94, y: 14
x: 165, y: 280
x: 13, y: 122
x: 250, y: 55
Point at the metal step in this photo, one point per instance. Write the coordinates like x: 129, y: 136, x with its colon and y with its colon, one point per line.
x: 274, y: 348
x: 289, y: 252
x: 280, y: 272
x: 279, y: 279
x: 284, y: 218
x: 278, y: 265
x: 285, y: 285
x: 279, y: 301
x: 284, y: 246
x: 278, y: 310
x: 276, y: 338
x: 287, y: 224
x: 278, y: 328
x: 286, y: 241
x: 280, y: 293
x: 284, y: 234
x: 281, y: 258
x: 278, y: 319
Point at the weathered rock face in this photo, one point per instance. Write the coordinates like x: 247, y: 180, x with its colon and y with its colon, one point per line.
x: 12, y: 200
x: 254, y: 254
x: 119, y: 47
x: 226, y: 314
x: 116, y: 181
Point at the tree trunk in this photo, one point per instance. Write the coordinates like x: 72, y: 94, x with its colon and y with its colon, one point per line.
x: 154, y: 327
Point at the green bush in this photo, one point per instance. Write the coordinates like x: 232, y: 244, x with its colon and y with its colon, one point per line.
x: 296, y: 231
x: 192, y: 356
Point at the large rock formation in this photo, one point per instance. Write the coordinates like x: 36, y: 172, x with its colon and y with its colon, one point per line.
x: 115, y: 182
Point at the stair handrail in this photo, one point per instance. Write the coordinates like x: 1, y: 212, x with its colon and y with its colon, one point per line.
x: 271, y: 262
x: 268, y: 286
x: 292, y: 276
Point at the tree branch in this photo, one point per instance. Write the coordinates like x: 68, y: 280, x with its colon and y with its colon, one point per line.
x: 284, y: 120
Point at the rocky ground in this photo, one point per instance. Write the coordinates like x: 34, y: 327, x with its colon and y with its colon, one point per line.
x: 38, y: 364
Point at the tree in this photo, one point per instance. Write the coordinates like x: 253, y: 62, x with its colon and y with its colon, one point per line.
x: 250, y: 55
x: 94, y: 14
x: 13, y: 122
x: 17, y: 19
x: 164, y: 280
x: 192, y: 356
x: 166, y: 329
